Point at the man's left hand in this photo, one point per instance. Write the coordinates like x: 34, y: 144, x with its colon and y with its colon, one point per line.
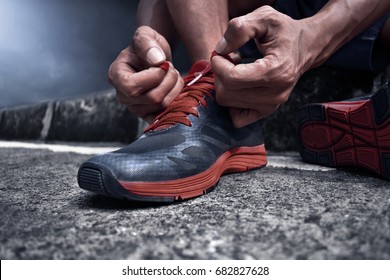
x: 255, y: 90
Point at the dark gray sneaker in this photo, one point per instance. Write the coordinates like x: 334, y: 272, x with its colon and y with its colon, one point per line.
x: 183, y: 154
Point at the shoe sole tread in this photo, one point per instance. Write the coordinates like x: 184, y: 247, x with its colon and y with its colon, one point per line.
x: 348, y: 133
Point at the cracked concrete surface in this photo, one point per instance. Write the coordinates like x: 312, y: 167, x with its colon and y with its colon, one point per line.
x: 282, y: 211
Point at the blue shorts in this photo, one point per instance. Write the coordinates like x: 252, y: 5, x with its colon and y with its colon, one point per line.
x: 357, y: 54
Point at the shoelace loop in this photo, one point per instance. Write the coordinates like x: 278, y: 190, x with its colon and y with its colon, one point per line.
x: 197, y: 86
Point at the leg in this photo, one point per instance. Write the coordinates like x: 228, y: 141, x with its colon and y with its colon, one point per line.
x: 154, y: 13
x: 200, y: 24
x: 384, y: 36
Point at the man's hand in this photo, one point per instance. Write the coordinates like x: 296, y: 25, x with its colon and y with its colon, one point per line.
x: 140, y: 84
x: 255, y: 90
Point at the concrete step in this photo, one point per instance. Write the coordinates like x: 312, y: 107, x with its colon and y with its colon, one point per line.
x: 99, y: 117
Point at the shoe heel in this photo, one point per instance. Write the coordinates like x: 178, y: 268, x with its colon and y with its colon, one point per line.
x: 315, y: 112
x: 322, y: 158
x: 381, y: 104
x: 386, y: 166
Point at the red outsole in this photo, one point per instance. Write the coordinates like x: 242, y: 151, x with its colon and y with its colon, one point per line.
x: 350, y: 133
x: 237, y: 160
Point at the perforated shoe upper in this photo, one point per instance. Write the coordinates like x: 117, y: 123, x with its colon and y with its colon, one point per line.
x: 186, y: 139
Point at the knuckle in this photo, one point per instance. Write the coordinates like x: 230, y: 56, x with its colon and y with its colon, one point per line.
x: 156, y: 77
x: 133, y: 89
x: 266, y: 9
x: 139, y: 31
x: 143, y: 29
x: 233, y: 77
x: 140, y: 35
x: 269, y: 13
x: 283, y: 97
x: 283, y: 72
x: 123, y: 52
x: 288, y: 76
x: 138, y: 41
x: 156, y: 100
x: 230, y: 78
x: 111, y: 74
x: 235, y: 24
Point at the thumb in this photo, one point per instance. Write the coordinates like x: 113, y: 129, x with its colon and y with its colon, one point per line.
x: 239, y: 31
x: 149, y: 46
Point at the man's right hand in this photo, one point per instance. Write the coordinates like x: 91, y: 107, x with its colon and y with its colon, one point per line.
x: 144, y: 87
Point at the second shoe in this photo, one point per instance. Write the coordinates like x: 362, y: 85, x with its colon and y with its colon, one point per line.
x: 348, y: 133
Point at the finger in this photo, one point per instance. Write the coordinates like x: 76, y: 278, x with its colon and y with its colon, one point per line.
x: 173, y: 93
x: 259, y: 73
x: 143, y: 110
x: 235, y: 57
x: 221, y: 66
x: 171, y: 82
x: 124, y: 62
x: 129, y: 57
x: 134, y: 84
x: 250, y: 97
x: 148, y: 44
x: 149, y: 111
x: 157, y: 94
x: 240, y: 30
x: 122, y: 98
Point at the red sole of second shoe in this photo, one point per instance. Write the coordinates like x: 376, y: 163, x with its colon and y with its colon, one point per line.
x: 348, y: 134
x: 237, y: 160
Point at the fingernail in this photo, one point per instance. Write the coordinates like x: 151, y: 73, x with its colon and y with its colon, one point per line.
x: 155, y: 56
x: 221, y: 46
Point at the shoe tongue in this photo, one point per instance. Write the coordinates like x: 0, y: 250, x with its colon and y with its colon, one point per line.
x: 199, y: 66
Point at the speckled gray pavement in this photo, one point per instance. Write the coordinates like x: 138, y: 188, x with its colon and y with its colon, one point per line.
x: 287, y: 210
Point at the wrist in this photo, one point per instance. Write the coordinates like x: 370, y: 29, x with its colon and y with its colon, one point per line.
x: 337, y: 23
x: 320, y: 42
x: 311, y: 45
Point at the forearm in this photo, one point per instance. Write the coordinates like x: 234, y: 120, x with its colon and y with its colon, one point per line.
x: 155, y: 14
x: 338, y: 22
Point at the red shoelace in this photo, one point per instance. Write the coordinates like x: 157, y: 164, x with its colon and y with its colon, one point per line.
x: 197, y: 86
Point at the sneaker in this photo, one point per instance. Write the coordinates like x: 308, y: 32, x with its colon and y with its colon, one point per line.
x: 182, y: 154
x: 355, y: 132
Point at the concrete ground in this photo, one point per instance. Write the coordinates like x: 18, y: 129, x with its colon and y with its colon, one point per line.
x: 288, y: 210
